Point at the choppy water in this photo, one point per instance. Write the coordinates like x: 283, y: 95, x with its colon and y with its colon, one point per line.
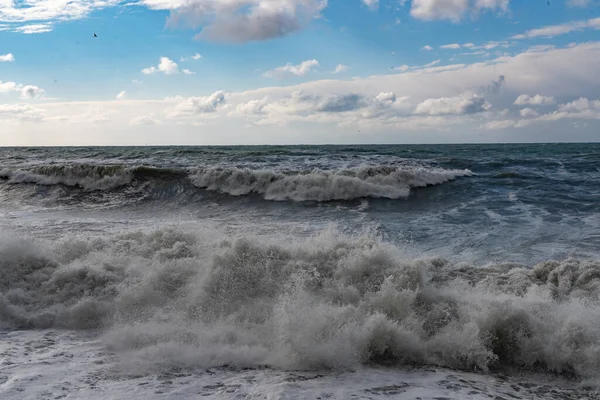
x: 299, y: 272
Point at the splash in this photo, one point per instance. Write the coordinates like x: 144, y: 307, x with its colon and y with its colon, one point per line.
x: 186, y: 299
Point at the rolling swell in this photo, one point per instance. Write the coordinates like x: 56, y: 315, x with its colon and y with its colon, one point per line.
x: 323, y: 185
x: 178, y: 299
x: 273, y: 184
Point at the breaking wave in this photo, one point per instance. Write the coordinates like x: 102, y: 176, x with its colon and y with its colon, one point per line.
x: 322, y: 185
x: 88, y: 177
x: 175, y: 299
x: 312, y: 185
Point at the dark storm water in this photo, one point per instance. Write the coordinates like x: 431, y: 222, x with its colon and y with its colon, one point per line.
x: 500, y: 202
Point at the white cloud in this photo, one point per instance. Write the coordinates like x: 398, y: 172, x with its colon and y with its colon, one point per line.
x: 536, y: 100
x: 528, y: 113
x: 194, y: 106
x: 579, y: 3
x: 427, y: 48
x: 453, y: 10
x: 340, y: 68
x: 31, y: 92
x: 144, y: 120
x: 372, y: 4
x: 34, y: 28
x: 501, y: 124
x: 449, y: 98
x: 246, y: 20
x: 122, y: 95
x: 556, y: 30
x: 289, y: 69
x: 468, y: 45
x: 195, y: 57
x: 459, y: 105
x: 27, y: 91
x: 7, y: 58
x: 450, y: 46
x: 165, y: 65
x: 44, y: 13
x: 187, y: 71
x: 404, y: 68
x: 6, y: 87
x: 579, y: 105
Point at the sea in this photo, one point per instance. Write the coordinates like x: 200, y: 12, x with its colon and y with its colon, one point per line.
x: 300, y: 272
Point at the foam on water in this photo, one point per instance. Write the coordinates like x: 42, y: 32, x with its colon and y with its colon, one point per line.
x: 172, y: 299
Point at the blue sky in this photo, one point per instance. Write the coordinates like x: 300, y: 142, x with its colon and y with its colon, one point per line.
x: 298, y: 71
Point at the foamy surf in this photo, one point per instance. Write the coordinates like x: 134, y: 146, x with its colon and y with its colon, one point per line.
x: 55, y: 364
x: 169, y: 299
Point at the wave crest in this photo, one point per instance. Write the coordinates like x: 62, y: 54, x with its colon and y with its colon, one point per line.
x: 320, y: 185
x: 89, y: 177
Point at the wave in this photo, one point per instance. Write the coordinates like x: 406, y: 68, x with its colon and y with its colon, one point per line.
x: 311, y: 185
x: 87, y: 176
x: 175, y: 299
x: 322, y: 185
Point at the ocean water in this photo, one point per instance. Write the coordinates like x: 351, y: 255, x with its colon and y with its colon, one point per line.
x: 301, y: 272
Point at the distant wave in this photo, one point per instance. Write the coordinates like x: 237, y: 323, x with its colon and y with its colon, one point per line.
x: 88, y: 177
x: 323, y: 185
x: 175, y: 299
x: 314, y: 185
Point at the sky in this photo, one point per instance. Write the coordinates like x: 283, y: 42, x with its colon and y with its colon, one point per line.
x: 212, y: 72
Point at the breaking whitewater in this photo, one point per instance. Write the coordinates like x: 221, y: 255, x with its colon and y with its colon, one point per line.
x: 261, y: 282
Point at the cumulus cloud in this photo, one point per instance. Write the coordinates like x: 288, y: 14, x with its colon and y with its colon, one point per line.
x: 187, y: 71
x: 450, y: 46
x: 195, y: 57
x: 579, y: 105
x: 453, y: 10
x: 371, y: 4
x: 31, y: 92
x: 246, y: 20
x: 7, y: 58
x: 340, y: 68
x: 449, y: 98
x: 339, y: 108
x: 194, y: 106
x: 122, y: 95
x: 289, y: 69
x: 528, y: 113
x: 536, y: 100
x: 427, y: 48
x: 165, y: 65
x: 459, y: 105
x: 6, y: 87
x: 561, y: 29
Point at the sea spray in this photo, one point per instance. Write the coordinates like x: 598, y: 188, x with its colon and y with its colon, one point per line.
x: 169, y: 298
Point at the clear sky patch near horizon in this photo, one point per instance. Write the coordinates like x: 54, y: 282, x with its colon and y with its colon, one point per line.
x: 199, y: 72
